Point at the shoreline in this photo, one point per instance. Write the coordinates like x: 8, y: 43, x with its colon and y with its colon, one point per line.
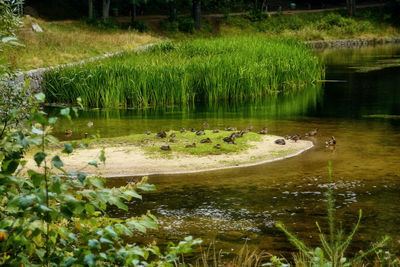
x: 134, y: 161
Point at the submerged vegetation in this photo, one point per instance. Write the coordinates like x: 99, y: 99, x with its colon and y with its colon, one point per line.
x: 199, y: 70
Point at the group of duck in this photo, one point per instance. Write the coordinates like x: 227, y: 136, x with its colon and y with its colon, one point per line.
x: 231, y: 138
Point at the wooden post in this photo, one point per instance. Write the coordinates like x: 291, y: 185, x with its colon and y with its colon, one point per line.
x: 90, y: 3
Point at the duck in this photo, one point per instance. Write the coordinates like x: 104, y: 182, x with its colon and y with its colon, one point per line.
x: 192, y: 130
x: 162, y: 134
x: 287, y: 137
x: 229, y: 140
x: 231, y: 129
x: 263, y: 131
x: 217, y: 146
x: 215, y: 131
x: 183, y: 130
x: 201, y: 132
x: 207, y: 140
x: 147, y: 132
x: 173, y: 135
x: 172, y: 140
x: 280, y: 142
x: 165, y: 148
x: 312, y: 133
x: 86, y: 135
x: 205, y: 125
x: 239, y: 134
x: 331, y: 142
x: 68, y: 133
x: 249, y: 128
x: 295, y: 138
x: 190, y: 146
x: 90, y: 124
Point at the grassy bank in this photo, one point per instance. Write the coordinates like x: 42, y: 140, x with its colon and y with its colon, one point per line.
x: 199, y: 70
x: 329, y: 25
x: 68, y: 41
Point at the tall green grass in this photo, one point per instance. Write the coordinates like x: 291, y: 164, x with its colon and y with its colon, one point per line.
x: 199, y: 70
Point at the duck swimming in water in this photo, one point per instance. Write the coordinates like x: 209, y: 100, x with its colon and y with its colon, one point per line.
x: 263, y: 131
x: 165, y: 148
x: 331, y: 142
x: 295, y: 137
x: 207, y: 140
x: 190, y: 146
x: 68, y: 133
x: 280, y: 142
x: 312, y: 133
x: 205, y: 125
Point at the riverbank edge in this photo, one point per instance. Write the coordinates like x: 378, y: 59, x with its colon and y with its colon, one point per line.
x: 35, y: 76
x: 244, y: 165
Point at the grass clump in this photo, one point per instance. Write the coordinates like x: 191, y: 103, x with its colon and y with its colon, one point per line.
x: 151, y: 143
x: 199, y: 70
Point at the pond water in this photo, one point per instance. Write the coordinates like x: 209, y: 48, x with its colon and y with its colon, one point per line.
x: 241, y: 205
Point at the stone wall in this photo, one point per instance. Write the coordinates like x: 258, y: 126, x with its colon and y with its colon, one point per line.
x: 352, y: 43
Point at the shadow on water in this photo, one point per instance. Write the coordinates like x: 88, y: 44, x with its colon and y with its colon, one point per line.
x: 235, y: 206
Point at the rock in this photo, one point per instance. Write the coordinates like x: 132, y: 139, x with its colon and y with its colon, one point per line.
x: 36, y: 27
x: 231, y: 236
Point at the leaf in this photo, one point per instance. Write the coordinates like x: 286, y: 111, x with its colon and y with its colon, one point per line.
x: 93, y: 243
x: 147, y: 187
x: 41, y: 97
x: 81, y: 177
x: 39, y: 157
x: 133, y: 193
x: 36, y: 178
x: 56, y: 186
x: 37, y: 131
x: 97, y: 182
x: 90, y: 259
x: 53, y: 120
x: 105, y: 240
x: 149, y: 223
x: 75, y: 111
x: 135, y: 224
x: 57, y: 162
x: 93, y: 163
x: 65, y: 112
x: 68, y: 149
x: 102, y: 157
x: 117, y: 202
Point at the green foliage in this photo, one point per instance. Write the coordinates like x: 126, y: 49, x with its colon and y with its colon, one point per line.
x: 334, y: 246
x: 50, y: 217
x: 181, y: 23
x: 140, y: 26
x: 199, y: 70
x: 102, y: 24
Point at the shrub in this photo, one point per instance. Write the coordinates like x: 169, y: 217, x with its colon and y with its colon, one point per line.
x: 140, y: 26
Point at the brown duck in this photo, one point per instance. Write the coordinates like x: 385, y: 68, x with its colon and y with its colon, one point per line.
x: 190, y: 146
x: 331, y: 142
x: 312, y: 133
x: 162, y: 134
x: 173, y: 135
x: 68, y: 133
x: 229, y: 140
x: 147, y: 133
x: 263, y: 131
x: 216, y: 131
x: 183, y: 130
x: 295, y: 138
x: 231, y: 129
x: 165, y: 148
x: 200, y: 132
x: 280, y: 142
x: 207, y: 140
x: 205, y: 125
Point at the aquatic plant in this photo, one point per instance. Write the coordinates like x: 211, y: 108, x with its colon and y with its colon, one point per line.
x: 334, y: 247
x: 200, y: 70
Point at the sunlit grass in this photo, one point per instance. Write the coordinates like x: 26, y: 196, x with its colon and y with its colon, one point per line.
x: 207, y: 70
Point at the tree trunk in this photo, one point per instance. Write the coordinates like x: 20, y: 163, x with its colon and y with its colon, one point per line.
x: 133, y: 12
x: 106, y: 9
x: 351, y: 7
x: 90, y: 3
x: 197, y: 14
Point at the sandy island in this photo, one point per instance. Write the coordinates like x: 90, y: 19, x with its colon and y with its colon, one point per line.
x: 133, y: 161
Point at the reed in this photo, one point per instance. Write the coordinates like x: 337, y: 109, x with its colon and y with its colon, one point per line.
x: 208, y: 70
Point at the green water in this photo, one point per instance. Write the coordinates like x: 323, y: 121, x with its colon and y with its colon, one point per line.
x: 241, y: 205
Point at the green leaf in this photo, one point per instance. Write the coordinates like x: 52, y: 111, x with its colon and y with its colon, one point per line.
x: 105, y: 240
x: 149, y: 223
x: 68, y: 149
x: 93, y: 243
x: 97, y: 182
x: 39, y: 157
x: 53, y: 120
x: 135, y: 224
x: 93, y: 163
x: 36, y: 178
x: 90, y: 259
x: 133, y: 193
x: 117, y: 202
x: 57, y: 162
x: 41, y: 97
x: 56, y: 186
x: 81, y: 177
x: 37, y: 131
x: 147, y: 187
x: 65, y: 112
x: 89, y: 209
x: 70, y: 261
x: 102, y: 157
x: 75, y: 111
